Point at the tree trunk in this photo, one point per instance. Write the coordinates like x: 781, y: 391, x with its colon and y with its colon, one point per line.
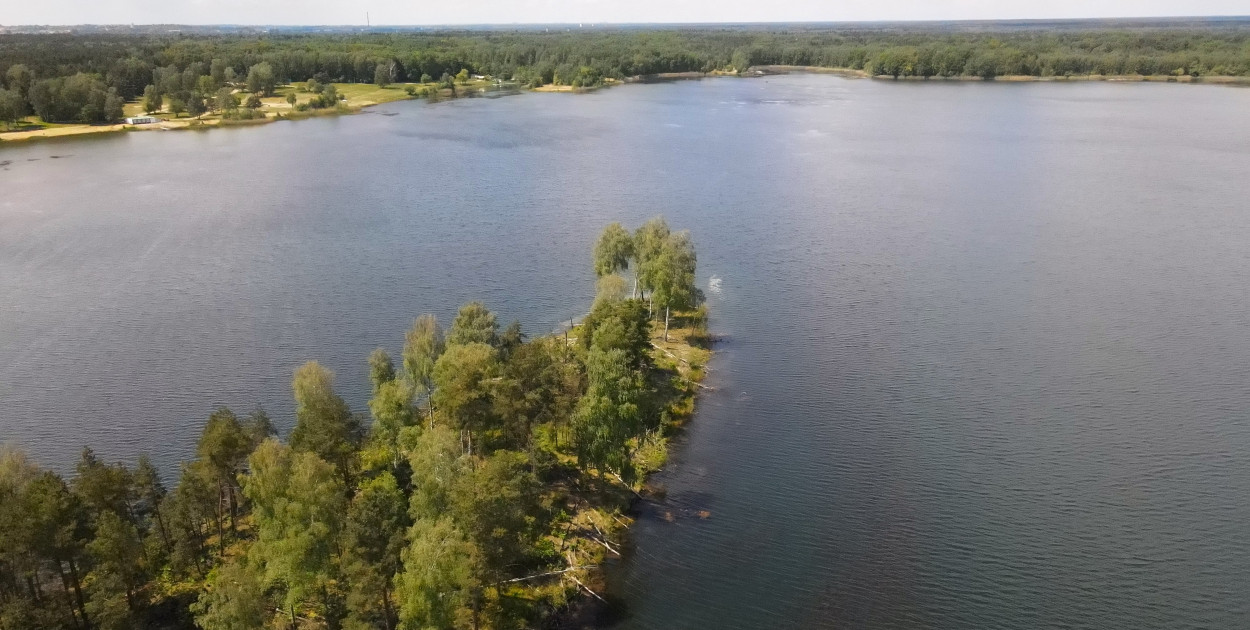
x: 387, y: 613
x: 234, y: 512
x: 221, y: 533
x: 666, y: 324
x: 60, y: 570
x: 160, y: 525
x: 199, y: 546
x: 82, y: 605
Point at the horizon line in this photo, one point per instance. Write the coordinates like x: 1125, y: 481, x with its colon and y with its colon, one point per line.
x: 585, y: 23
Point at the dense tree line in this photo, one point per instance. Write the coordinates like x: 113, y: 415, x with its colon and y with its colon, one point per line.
x: 466, y: 497
x: 174, y: 63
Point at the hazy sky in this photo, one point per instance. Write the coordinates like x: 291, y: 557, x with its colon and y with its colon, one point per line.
x: 384, y: 12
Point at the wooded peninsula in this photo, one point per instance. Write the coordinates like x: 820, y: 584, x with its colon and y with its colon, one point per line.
x: 216, y: 75
x: 486, y: 486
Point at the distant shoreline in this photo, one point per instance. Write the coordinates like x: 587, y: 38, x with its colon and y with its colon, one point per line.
x: 1017, y: 78
x: 277, y: 112
x: 357, y: 97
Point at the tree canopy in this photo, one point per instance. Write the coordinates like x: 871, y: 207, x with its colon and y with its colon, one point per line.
x: 484, y: 494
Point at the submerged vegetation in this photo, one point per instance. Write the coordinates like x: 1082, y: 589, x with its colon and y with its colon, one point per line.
x: 484, y: 488
x: 84, y: 77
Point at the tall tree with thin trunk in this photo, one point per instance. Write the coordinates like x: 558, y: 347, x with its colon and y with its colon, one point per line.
x: 672, y: 276
x: 323, y: 423
x: 299, y: 504
x: 423, y: 345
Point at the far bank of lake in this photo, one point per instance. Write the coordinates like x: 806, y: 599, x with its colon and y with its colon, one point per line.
x: 358, y: 96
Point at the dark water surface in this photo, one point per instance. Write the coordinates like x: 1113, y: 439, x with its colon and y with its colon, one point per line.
x: 987, y: 347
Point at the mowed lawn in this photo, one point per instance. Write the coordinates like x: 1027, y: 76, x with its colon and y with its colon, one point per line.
x: 357, y: 94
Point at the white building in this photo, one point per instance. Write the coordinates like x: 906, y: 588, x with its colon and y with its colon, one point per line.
x: 142, y: 120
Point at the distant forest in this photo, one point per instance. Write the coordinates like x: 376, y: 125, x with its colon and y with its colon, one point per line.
x: 93, y: 65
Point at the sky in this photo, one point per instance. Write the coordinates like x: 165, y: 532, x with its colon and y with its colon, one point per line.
x: 405, y: 12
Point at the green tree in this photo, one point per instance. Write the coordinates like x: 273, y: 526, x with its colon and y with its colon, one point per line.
x: 25, y: 601
x: 20, y: 79
x: 423, y: 345
x: 619, y: 325
x: 462, y: 77
x: 119, y: 571
x: 436, y: 458
x: 222, y: 450
x: 539, y: 384
x: 609, y: 415
x: 476, y: 521
x: 80, y: 98
x: 299, y: 503
x: 61, y: 522
x: 195, y: 104
x: 261, y: 79
x: 193, y: 508
x: 672, y: 276
x: 437, y: 581
x: 114, y: 106
x: 102, y: 487
x: 377, y: 522
x: 233, y: 599
x: 323, y: 423
x: 383, y: 75
x: 258, y: 428
x: 381, y: 369
x: 150, y: 495
x: 217, y: 70
x: 613, y: 250
x: 648, y: 246
x: 152, y: 99
x: 611, y: 288
x: 496, y: 504
x: 462, y: 388
x: 205, y: 84
x: 474, y: 323
x: 12, y: 107
x: 392, y: 409
x: 225, y: 100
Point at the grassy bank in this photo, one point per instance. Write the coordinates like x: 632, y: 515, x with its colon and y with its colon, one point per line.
x: 355, y: 97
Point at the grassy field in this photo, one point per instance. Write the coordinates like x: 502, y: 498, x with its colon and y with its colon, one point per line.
x: 355, y: 95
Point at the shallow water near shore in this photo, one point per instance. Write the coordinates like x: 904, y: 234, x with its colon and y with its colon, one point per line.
x: 984, y: 345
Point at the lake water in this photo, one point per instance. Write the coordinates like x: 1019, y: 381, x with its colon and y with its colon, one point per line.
x: 986, y: 357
